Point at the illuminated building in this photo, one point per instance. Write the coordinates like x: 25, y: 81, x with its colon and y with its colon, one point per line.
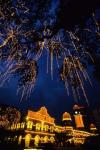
x: 67, y: 123
x: 39, y: 127
x: 78, y: 117
x: 66, y: 119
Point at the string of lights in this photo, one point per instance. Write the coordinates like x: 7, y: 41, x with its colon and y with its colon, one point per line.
x: 21, y: 47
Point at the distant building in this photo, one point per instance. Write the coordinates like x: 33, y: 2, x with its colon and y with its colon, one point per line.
x: 39, y: 127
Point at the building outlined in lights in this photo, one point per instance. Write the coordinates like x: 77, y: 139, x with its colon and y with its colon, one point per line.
x: 39, y: 127
x: 78, y: 117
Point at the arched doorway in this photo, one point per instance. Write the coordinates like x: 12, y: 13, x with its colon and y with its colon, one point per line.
x: 45, y: 139
x: 36, y: 140
x: 19, y: 139
x: 52, y: 139
x: 27, y: 140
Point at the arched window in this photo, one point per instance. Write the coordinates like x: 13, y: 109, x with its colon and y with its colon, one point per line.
x: 22, y: 125
x: 51, y: 128
x: 46, y: 128
x: 41, y: 139
x: 38, y: 126
x: 29, y: 125
x: 19, y: 139
x: 52, y: 139
x: 18, y: 125
x: 27, y: 140
x: 46, y: 139
x: 36, y: 140
x: 12, y: 127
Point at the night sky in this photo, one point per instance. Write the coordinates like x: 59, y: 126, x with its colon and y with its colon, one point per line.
x: 52, y: 93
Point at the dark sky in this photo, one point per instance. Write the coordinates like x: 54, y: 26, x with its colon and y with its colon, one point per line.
x: 48, y: 92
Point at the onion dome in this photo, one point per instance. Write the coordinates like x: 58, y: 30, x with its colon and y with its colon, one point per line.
x: 92, y: 126
x: 76, y: 107
x: 66, y: 116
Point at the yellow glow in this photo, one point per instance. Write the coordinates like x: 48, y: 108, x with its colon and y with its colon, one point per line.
x: 22, y: 125
x: 37, y: 132
x: 27, y: 140
x: 42, y: 125
x: 41, y: 115
x: 19, y: 139
x: 67, y: 119
x: 52, y: 139
x: 27, y: 118
x: 40, y: 120
x: 79, y: 121
x: 29, y: 125
x: 38, y: 126
x: 10, y: 36
x: 36, y: 140
x: 45, y: 139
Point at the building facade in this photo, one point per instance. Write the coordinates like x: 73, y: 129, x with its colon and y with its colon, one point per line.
x: 39, y: 127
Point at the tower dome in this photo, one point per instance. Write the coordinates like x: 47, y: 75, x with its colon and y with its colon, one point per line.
x: 76, y: 107
x: 92, y: 126
x: 66, y: 116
